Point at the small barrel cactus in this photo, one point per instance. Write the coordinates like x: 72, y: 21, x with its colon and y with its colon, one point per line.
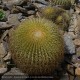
x: 64, y: 3
x: 63, y: 20
x: 48, y: 12
x: 58, y: 15
x: 51, y: 12
x: 37, y: 47
x: 59, y: 19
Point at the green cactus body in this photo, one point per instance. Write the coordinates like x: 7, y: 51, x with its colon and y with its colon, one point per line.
x: 65, y: 3
x: 50, y: 12
x: 59, y: 19
x: 66, y: 17
x: 58, y: 15
x: 37, y: 47
x: 63, y: 20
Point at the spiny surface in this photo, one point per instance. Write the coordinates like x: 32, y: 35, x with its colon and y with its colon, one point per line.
x: 37, y: 47
x: 51, y: 12
x: 63, y: 20
x: 58, y: 15
x: 48, y: 12
x: 65, y: 3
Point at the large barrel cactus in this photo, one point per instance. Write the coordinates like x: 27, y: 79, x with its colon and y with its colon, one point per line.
x: 37, y: 47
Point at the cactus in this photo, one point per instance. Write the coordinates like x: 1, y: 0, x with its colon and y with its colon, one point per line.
x: 63, y: 20
x: 59, y: 19
x: 57, y: 15
x: 37, y: 47
x: 50, y: 12
x: 66, y: 4
x: 66, y: 17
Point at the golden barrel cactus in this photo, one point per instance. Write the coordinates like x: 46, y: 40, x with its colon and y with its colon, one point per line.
x: 58, y: 15
x: 66, y: 4
x: 63, y: 20
x: 37, y: 47
x: 51, y: 12
x: 48, y: 12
